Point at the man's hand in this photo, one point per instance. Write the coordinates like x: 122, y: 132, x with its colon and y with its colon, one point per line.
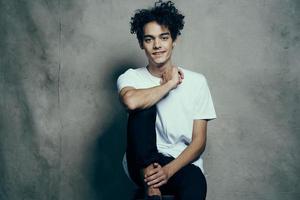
x: 157, y: 176
x: 173, y: 75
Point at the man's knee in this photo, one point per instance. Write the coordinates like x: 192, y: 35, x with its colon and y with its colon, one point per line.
x: 144, y: 113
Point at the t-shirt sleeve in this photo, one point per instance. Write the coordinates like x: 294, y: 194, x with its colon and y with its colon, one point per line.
x: 128, y: 78
x: 204, y: 107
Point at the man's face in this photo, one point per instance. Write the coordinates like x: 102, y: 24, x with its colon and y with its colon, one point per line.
x: 157, y: 43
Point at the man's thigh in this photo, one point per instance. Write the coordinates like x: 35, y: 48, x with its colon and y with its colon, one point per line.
x: 188, y: 183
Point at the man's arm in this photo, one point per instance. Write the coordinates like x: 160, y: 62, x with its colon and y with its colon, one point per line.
x: 195, y: 148
x: 143, y: 98
x: 160, y: 175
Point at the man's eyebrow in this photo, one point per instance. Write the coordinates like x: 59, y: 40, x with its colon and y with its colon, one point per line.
x: 148, y: 36
x: 167, y: 33
x: 162, y: 34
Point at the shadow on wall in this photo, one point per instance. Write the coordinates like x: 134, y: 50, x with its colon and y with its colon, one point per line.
x: 107, y: 176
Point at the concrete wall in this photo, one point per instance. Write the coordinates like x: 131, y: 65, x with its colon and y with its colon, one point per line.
x: 62, y: 129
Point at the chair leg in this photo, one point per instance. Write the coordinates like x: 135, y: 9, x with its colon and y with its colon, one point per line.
x: 139, y: 195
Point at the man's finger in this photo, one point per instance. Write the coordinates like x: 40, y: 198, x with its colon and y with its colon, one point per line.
x: 151, y: 172
x: 157, y: 180
x: 156, y: 165
x: 154, y: 176
x: 160, y: 183
x: 181, y: 73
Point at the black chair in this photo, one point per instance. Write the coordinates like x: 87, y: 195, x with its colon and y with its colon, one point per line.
x: 139, y: 195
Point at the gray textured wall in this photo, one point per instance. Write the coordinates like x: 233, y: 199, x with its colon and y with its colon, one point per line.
x: 62, y: 129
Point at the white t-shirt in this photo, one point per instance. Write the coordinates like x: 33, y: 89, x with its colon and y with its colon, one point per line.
x: 176, y: 111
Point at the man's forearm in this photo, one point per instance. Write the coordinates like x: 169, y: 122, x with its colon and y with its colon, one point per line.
x: 189, y: 154
x: 144, y: 98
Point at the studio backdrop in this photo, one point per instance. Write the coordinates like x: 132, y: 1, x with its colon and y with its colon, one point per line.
x: 63, y: 129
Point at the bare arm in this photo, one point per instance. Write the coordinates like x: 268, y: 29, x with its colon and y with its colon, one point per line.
x: 195, y: 148
x: 160, y: 175
x: 143, y: 98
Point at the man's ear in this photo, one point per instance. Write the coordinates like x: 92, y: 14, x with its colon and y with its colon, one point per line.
x: 174, y: 43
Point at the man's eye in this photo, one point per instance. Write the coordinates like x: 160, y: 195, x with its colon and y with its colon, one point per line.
x: 147, y: 40
x: 165, y: 38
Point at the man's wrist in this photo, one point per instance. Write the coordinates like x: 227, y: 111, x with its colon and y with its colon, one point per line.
x: 170, y: 169
x: 170, y: 84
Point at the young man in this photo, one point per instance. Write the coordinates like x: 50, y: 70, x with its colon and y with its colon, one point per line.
x: 168, y: 108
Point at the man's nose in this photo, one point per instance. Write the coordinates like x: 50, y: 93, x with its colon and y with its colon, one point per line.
x: 157, y: 44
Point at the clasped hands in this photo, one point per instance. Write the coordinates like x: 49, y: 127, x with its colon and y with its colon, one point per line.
x: 157, y: 176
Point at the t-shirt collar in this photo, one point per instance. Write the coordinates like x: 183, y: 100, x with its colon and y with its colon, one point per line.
x: 152, y: 77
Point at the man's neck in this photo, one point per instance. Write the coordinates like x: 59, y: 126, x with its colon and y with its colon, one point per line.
x: 158, y: 70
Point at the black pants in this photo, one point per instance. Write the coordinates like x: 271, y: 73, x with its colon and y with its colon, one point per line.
x: 188, y: 183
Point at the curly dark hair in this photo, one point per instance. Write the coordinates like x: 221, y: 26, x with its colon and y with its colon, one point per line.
x: 164, y: 13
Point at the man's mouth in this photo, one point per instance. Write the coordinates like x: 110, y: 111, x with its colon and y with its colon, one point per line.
x: 158, y: 53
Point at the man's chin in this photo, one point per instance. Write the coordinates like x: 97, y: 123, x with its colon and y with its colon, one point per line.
x: 159, y: 63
